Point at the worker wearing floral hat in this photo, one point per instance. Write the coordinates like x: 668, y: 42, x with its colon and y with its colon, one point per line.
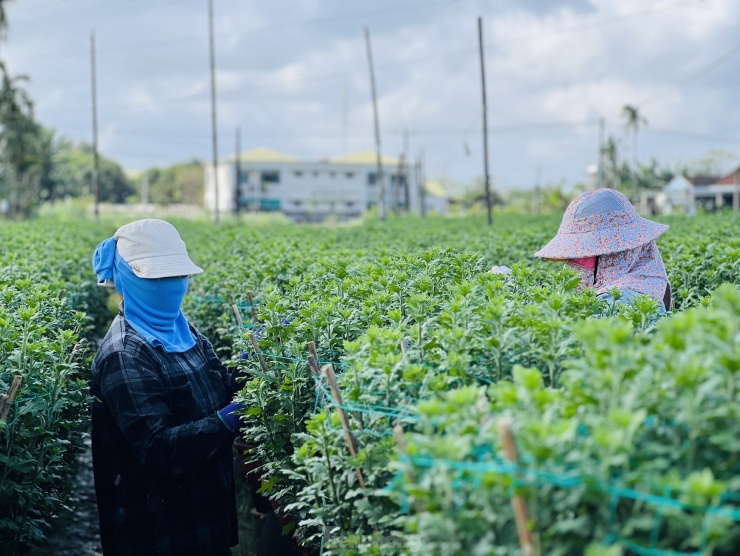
x: 603, y: 237
x: 163, y: 423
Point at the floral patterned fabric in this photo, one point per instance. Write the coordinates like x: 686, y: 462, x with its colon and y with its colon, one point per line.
x: 600, y: 222
x: 640, y: 270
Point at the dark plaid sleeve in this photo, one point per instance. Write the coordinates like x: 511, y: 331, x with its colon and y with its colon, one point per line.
x: 140, y: 403
x: 215, y: 364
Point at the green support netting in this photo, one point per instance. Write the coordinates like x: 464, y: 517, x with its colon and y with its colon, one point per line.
x: 525, y: 475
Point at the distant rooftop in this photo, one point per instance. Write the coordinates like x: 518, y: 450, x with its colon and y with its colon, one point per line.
x: 364, y: 158
x: 269, y: 156
x: 703, y: 180
x: 435, y: 187
x: 260, y: 154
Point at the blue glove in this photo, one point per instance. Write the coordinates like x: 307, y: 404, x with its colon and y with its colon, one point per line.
x: 230, y: 416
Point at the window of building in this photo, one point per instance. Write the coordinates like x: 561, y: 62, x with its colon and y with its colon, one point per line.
x: 270, y: 177
x: 298, y: 173
x: 372, y: 178
x: 350, y: 175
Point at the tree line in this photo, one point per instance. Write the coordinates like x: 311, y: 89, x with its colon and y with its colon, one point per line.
x: 39, y: 166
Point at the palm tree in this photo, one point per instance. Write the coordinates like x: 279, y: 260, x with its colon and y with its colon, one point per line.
x: 3, y: 19
x: 633, y: 121
x: 18, y: 135
x: 609, y: 152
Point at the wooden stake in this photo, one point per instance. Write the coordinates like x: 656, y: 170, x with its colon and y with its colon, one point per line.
x: 314, y: 366
x: 256, y: 346
x: 517, y: 501
x: 7, y: 401
x: 404, y: 346
x: 238, y: 316
x: 328, y: 370
x: 312, y: 351
x: 74, y: 353
x: 251, y: 306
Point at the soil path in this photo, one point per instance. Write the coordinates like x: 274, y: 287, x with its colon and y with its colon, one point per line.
x: 75, y: 532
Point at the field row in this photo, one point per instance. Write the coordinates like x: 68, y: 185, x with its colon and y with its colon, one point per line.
x: 626, y: 428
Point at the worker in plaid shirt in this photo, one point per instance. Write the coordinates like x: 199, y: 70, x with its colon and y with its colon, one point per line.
x: 163, y: 421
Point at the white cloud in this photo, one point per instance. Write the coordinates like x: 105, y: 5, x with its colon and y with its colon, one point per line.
x: 282, y: 76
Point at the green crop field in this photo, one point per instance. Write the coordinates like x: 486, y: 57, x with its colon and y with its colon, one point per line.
x: 626, y: 427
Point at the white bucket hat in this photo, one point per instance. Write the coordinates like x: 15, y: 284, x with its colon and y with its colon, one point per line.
x: 153, y: 249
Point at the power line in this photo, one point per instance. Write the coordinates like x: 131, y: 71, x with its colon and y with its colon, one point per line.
x: 694, y: 134
x: 724, y: 57
x: 395, y: 10
x: 266, y: 86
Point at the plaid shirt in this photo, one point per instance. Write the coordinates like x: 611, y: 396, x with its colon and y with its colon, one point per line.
x: 164, y: 472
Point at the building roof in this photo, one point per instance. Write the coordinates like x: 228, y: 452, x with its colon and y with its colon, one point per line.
x: 261, y: 154
x: 703, y: 180
x: 435, y: 187
x: 364, y: 158
x: 730, y: 178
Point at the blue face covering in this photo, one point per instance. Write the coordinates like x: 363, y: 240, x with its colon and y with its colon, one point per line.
x: 151, y: 305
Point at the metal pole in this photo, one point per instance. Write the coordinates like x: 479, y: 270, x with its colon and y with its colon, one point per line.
x: 537, y: 197
x: 96, y: 162
x: 422, y: 185
x: 345, y: 118
x: 486, y: 178
x: 405, y: 175
x: 238, y: 171
x: 379, y: 180
x: 145, y: 190
x: 600, y: 182
x: 214, y: 129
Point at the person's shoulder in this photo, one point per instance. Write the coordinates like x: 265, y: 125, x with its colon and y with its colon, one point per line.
x: 120, y: 338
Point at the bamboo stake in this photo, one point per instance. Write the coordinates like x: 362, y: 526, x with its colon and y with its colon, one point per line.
x: 74, y: 353
x: 238, y: 316
x: 256, y: 346
x: 314, y: 366
x: 517, y: 501
x: 312, y: 351
x: 328, y: 370
x: 7, y: 401
x: 251, y: 306
x: 404, y: 346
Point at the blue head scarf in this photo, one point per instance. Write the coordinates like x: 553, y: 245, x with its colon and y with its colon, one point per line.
x: 151, y: 305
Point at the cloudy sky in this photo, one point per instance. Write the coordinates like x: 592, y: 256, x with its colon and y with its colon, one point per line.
x: 293, y: 75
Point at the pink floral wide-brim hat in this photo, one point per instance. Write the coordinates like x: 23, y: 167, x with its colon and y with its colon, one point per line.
x: 600, y: 222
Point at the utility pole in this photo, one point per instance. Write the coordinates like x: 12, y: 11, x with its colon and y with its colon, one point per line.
x: 405, y: 173
x: 379, y: 179
x: 345, y: 118
x: 145, y: 190
x: 96, y: 162
x: 537, y: 198
x: 487, y: 182
x: 600, y: 159
x: 422, y: 189
x: 214, y: 129
x: 238, y: 171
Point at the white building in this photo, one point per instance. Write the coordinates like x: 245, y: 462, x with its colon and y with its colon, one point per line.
x: 684, y: 194
x: 343, y: 188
